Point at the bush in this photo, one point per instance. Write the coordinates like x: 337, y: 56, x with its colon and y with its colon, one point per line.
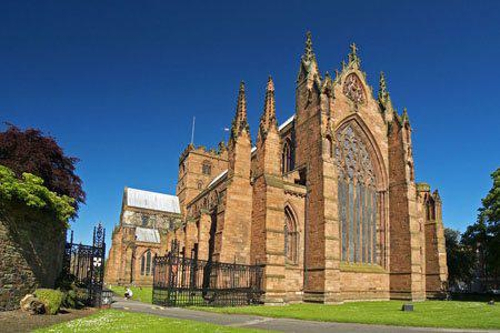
x: 52, y: 299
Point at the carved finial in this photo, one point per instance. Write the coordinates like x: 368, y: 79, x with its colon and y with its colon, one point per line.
x: 436, y: 195
x: 404, y: 116
x: 268, y: 118
x: 240, y: 120
x: 354, y: 49
x: 353, y: 55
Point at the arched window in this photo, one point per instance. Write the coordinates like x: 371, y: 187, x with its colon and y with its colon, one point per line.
x: 357, y: 198
x: 206, y: 168
x: 199, y: 185
x: 291, y: 237
x: 287, y: 163
x: 146, y: 264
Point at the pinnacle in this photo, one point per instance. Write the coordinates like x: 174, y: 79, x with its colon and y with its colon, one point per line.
x: 270, y: 84
x: 308, y: 53
x: 383, y: 94
x: 268, y: 118
x: 240, y: 120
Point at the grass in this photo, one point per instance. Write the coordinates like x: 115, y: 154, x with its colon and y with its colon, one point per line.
x: 120, y: 321
x: 447, y: 314
x: 141, y: 294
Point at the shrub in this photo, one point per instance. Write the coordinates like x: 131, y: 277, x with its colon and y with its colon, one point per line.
x: 52, y: 299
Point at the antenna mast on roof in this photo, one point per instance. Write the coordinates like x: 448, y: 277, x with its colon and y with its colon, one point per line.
x: 192, y: 130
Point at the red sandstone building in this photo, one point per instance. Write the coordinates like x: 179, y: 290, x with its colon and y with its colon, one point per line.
x: 327, y: 201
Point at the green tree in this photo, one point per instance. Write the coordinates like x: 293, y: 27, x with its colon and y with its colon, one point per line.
x: 484, y: 235
x: 33, y: 152
x: 29, y: 190
x: 460, y: 258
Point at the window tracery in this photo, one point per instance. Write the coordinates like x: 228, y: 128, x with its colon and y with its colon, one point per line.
x: 358, y: 198
x: 353, y: 89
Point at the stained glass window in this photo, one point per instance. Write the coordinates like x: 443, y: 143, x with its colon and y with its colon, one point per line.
x: 357, y: 197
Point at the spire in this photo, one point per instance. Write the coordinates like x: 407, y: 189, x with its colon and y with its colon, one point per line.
x: 240, y: 120
x: 309, y: 67
x: 268, y: 118
x: 308, y: 52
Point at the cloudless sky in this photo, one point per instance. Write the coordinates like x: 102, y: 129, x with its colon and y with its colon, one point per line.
x: 118, y: 82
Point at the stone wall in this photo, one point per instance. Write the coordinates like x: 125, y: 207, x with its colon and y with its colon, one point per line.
x: 31, y: 254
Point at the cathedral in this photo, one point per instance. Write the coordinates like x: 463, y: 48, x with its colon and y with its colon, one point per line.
x: 326, y: 201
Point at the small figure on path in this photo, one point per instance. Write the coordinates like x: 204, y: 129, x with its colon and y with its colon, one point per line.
x: 128, y: 293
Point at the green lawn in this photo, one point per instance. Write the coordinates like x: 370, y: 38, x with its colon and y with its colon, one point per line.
x: 141, y: 294
x: 119, y: 321
x: 449, y: 314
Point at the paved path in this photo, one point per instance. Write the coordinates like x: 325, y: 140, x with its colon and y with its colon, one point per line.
x: 275, y: 324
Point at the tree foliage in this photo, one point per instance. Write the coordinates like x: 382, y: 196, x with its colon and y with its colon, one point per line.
x: 30, y: 191
x: 484, y: 236
x: 31, y: 152
x: 460, y: 258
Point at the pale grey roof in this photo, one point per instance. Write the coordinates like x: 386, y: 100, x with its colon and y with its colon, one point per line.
x: 288, y: 121
x: 219, y: 176
x: 152, y: 200
x: 147, y: 235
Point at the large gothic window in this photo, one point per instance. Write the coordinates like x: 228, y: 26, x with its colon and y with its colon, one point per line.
x: 146, y: 263
x: 291, y: 237
x: 357, y: 197
x: 287, y: 157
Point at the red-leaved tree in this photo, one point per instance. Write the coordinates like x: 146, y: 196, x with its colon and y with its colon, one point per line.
x: 31, y: 151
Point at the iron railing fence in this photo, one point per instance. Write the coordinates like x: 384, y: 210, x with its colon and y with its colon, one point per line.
x: 182, y: 281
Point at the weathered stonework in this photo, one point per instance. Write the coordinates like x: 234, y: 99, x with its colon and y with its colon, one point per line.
x: 31, y: 253
x: 327, y: 202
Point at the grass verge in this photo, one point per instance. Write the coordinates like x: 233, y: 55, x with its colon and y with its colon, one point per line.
x: 120, y: 321
x: 446, y: 314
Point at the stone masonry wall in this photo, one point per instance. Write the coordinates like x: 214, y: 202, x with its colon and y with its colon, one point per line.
x: 31, y: 254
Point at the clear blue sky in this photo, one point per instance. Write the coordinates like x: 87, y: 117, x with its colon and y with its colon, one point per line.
x: 118, y: 82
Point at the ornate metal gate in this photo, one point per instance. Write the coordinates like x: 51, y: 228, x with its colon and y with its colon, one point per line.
x: 182, y: 281
x: 85, y: 264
